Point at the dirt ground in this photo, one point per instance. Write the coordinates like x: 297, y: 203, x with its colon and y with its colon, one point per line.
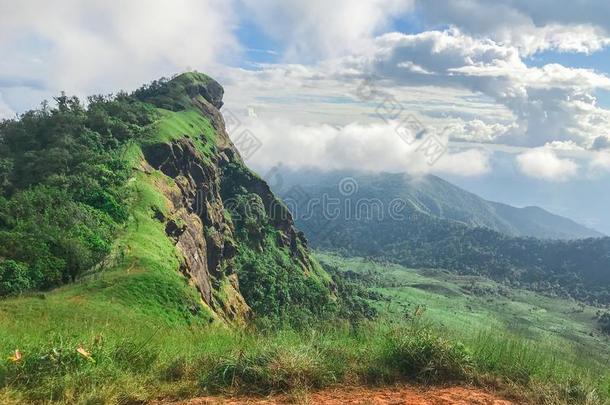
x: 366, y: 396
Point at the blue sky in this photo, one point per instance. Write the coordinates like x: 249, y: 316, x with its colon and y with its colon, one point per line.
x: 518, y: 92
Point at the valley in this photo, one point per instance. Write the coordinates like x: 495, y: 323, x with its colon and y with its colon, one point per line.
x: 476, y: 309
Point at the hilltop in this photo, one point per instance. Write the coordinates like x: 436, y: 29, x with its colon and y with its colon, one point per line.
x: 141, y: 182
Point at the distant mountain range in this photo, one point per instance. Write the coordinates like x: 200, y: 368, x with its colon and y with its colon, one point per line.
x: 433, y: 196
x: 429, y: 223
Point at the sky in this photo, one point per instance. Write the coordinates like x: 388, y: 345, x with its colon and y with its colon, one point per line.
x: 507, y: 98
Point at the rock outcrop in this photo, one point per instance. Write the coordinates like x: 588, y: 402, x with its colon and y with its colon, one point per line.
x: 199, y: 222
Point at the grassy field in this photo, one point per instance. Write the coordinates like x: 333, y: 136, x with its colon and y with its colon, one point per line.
x: 137, y: 350
x: 554, y: 332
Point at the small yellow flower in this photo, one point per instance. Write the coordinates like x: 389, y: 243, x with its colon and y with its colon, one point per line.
x: 16, y: 358
x: 84, y: 353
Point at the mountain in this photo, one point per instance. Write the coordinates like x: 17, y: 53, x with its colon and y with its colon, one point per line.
x: 137, y: 185
x: 438, y: 198
x: 390, y: 218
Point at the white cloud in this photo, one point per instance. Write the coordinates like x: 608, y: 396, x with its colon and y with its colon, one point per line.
x: 93, y: 46
x: 530, y: 26
x: 549, y: 103
x: 5, y: 110
x: 601, y: 161
x: 476, y: 130
x: 564, y: 38
x: 564, y: 146
x: 314, y: 28
x: 543, y: 163
x: 374, y: 147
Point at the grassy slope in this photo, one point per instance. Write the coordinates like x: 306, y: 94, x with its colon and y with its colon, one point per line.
x: 139, y: 294
x: 448, y: 301
x: 188, y: 123
x: 510, y: 331
x: 136, y: 314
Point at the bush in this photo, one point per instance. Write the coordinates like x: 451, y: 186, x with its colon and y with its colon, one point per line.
x: 14, y: 277
x: 420, y: 353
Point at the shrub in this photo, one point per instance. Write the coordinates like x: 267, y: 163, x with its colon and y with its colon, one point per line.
x: 420, y: 353
x: 14, y: 277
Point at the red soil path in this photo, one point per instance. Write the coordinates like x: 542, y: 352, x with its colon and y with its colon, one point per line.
x: 368, y: 396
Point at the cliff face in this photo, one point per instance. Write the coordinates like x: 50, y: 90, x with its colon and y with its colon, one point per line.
x: 224, y: 220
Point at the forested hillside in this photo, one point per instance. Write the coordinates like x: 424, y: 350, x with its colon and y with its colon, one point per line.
x: 435, y: 197
x: 370, y: 218
x: 72, y: 175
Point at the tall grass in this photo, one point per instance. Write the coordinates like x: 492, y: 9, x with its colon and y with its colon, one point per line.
x: 551, y: 375
x: 183, y: 362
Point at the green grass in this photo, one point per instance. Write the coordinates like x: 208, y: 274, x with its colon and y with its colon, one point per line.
x: 189, y: 123
x: 517, y: 334
x: 144, y: 363
x: 143, y: 350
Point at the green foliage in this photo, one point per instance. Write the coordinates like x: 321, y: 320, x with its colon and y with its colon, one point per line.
x: 353, y: 298
x: 174, y: 94
x: 276, y: 289
x: 415, y: 238
x: 56, y: 236
x: 14, y: 277
x: 62, y: 175
x: 278, y: 282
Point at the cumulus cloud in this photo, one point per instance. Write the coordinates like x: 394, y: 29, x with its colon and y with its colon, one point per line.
x: 564, y: 146
x: 549, y: 103
x: 92, y: 46
x: 314, y: 28
x: 530, y: 26
x: 375, y: 147
x: 601, y: 142
x: 476, y: 130
x: 543, y: 163
x: 5, y: 110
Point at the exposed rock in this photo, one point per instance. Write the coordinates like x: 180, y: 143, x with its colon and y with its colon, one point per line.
x: 197, y: 225
x: 213, y: 93
x: 197, y: 220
